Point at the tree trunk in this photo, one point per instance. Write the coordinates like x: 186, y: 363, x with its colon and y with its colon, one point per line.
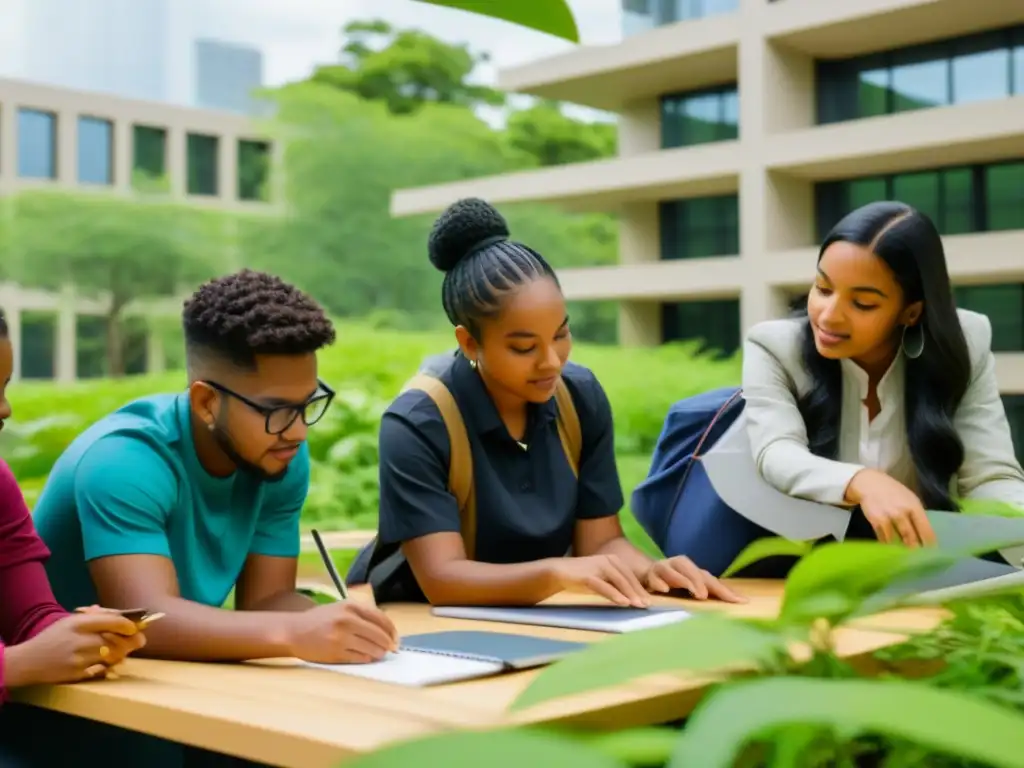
x: 115, y: 344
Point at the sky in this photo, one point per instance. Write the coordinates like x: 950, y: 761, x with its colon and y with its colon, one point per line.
x: 294, y: 35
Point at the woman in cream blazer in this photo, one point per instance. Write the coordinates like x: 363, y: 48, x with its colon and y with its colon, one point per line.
x: 883, y: 395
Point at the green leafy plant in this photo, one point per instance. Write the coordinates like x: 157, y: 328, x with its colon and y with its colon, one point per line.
x: 551, y: 16
x: 800, y: 709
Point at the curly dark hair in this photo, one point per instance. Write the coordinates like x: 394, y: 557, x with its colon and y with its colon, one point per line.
x: 249, y: 313
x: 470, y: 244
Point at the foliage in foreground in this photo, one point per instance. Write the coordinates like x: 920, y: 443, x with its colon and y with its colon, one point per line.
x: 781, y: 708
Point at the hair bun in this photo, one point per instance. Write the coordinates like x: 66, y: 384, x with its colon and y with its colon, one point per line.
x: 461, y: 229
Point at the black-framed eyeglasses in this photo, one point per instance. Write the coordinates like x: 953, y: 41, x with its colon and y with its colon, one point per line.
x: 278, y: 418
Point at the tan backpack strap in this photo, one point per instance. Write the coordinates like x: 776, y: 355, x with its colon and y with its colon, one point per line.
x: 460, y: 467
x: 569, y: 431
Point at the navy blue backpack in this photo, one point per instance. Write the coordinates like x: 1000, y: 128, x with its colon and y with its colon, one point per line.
x: 677, y: 505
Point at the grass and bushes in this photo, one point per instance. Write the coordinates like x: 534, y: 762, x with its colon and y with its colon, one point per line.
x: 367, y: 367
x: 965, y: 713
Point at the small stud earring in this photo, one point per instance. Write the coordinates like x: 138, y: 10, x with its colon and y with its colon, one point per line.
x: 472, y: 364
x: 210, y: 427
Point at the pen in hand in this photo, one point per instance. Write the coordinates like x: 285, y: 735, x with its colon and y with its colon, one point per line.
x: 332, y: 571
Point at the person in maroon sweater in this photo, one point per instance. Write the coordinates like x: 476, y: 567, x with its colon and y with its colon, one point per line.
x: 40, y: 642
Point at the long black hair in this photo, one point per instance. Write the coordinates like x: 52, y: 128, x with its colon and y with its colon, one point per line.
x: 908, y: 242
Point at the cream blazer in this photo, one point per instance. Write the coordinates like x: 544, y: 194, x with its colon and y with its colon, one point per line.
x: 774, y: 378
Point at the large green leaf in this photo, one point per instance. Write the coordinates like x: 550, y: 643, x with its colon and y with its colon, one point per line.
x: 699, y: 644
x: 499, y: 749
x: 945, y: 721
x: 839, y: 580
x: 636, y: 746
x: 551, y: 16
x: 834, y: 580
x: 770, y: 547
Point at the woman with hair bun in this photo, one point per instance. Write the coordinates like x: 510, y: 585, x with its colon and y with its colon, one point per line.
x: 532, y: 507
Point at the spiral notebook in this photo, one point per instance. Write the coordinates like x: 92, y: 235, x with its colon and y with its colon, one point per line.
x: 447, y: 657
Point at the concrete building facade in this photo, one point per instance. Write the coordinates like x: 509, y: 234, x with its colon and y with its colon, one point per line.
x: 73, y: 139
x: 747, y: 128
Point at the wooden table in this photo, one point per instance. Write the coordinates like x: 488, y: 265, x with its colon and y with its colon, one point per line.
x: 286, y: 715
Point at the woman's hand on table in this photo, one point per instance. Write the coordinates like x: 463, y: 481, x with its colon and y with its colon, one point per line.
x: 81, y: 646
x: 682, y: 573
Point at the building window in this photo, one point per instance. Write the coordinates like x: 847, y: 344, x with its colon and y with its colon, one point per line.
x: 1004, y: 306
x: 38, y: 345
x: 253, y: 170
x: 700, y: 227
x: 1004, y: 195
x: 202, y: 164
x: 149, y: 154
x: 715, y: 324
x: 95, y: 151
x: 642, y: 15
x: 959, y: 199
x: 979, y: 67
x: 37, y: 144
x: 1014, y: 406
x: 699, y: 117
x: 796, y: 303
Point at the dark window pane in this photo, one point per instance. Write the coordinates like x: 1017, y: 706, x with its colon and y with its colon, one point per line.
x: 699, y: 118
x: 136, y: 343
x: 835, y: 199
x: 95, y: 151
x: 700, y: 227
x: 37, y: 144
x: 1018, y: 68
x: 1014, y: 406
x: 253, y: 170
x: 873, y: 93
x: 957, y: 214
x: 149, y: 153
x: 956, y: 198
x: 716, y: 324
x: 862, y: 192
x: 1004, y: 306
x: 202, y: 164
x: 91, y: 347
x: 38, y: 345
x: 730, y: 115
x: 921, y: 190
x: 1004, y: 194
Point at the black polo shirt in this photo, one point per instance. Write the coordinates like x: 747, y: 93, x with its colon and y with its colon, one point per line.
x: 527, y: 501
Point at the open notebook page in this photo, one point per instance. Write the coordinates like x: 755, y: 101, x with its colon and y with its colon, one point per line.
x: 416, y: 669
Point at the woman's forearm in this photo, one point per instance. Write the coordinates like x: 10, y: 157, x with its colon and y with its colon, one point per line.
x: 467, y: 582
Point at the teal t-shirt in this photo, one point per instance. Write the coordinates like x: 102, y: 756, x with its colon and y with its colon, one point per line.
x: 132, y: 484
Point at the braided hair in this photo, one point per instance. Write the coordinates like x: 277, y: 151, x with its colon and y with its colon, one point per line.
x: 470, y: 243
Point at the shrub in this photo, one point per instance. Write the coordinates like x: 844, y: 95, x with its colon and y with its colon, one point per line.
x: 367, y: 367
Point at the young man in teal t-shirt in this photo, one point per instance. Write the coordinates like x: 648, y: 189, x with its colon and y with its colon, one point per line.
x: 173, y: 500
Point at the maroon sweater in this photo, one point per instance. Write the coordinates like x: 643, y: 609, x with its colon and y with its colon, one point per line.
x: 27, y: 604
